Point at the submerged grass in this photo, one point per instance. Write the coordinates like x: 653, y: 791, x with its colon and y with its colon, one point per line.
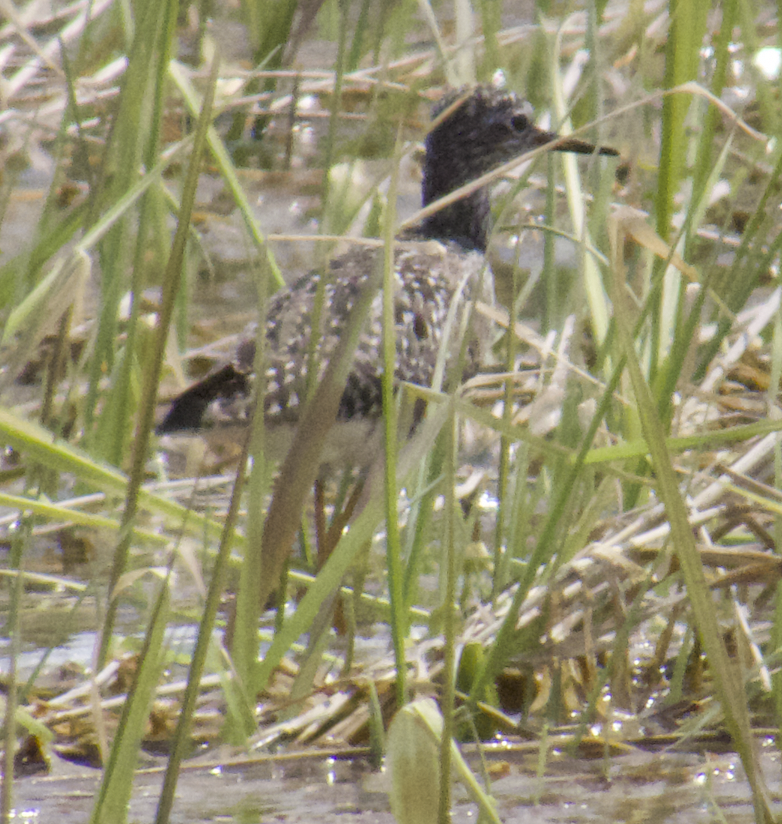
x: 625, y: 439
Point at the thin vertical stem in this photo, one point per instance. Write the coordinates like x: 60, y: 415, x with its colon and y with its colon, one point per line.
x: 6, y: 788
x: 393, y: 543
x: 449, y: 623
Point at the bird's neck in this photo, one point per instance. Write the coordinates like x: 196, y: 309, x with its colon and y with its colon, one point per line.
x: 465, y: 222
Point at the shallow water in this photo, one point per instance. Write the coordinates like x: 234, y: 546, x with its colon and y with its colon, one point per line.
x: 670, y: 787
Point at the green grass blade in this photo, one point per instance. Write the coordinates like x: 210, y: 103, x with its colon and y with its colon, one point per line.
x: 415, y: 734
x: 599, y: 308
x: 244, y: 648
x: 182, y: 744
x: 688, y: 25
x: 361, y: 531
x: 117, y: 784
x: 300, y: 467
x: 227, y: 170
x: 155, y: 362
x: 391, y: 432
x: 451, y: 562
x: 727, y: 681
x: 13, y: 630
x: 39, y: 445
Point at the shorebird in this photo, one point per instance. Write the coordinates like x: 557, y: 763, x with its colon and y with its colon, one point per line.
x: 440, y: 262
x: 473, y: 133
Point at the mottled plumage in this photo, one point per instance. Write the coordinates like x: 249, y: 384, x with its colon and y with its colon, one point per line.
x: 488, y: 127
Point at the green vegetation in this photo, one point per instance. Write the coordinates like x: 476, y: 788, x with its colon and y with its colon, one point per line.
x: 616, y: 552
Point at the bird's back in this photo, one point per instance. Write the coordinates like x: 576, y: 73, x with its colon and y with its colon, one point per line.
x: 431, y: 278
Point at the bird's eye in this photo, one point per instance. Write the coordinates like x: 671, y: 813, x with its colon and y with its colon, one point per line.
x: 519, y: 122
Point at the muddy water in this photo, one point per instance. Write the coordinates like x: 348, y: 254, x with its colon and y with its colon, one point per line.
x: 675, y: 788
